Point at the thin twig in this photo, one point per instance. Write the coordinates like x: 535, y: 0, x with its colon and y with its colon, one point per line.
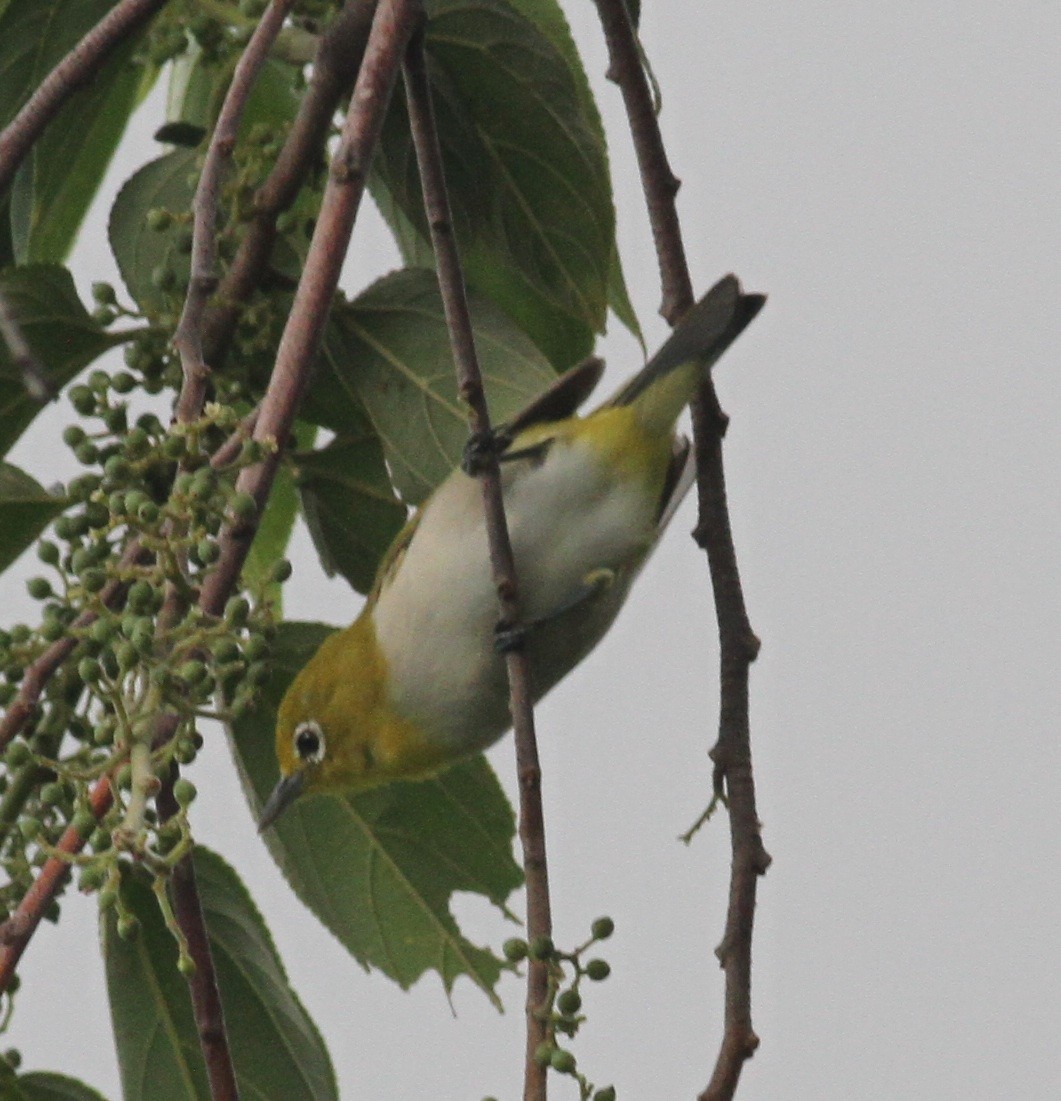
x: 738, y: 644
x: 469, y: 379
x: 34, y: 377
x: 391, y: 28
x: 79, y: 66
x: 188, y: 339
x: 334, y: 69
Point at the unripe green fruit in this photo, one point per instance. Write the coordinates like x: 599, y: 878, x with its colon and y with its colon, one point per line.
x: 208, y: 551
x: 83, y: 400
x: 30, y: 827
x: 543, y: 1053
x: 17, y: 755
x: 108, y: 896
x: 255, y: 647
x: 184, y: 792
x: 104, y: 294
x: 541, y: 948
x: 192, y: 672
x: 39, y: 588
x: 236, y: 611
x: 514, y: 949
x: 117, y: 469
x: 48, y: 553
x: 243, y: 507
x: 602, y: 928
x: 282, y: 571
x: 569, y: 1002
x: 92, y: 878
x: 89, y: 670
x: 84, y: 822
x: 606, y: 1093
x: 73, y: 434
x: 52, y: 793
x: 86, y: 452
x: 563, y: 1062
x: 186, y: 966
x: 598, y: 970
x: 93, y: 580
x: 123, y: 382
x: 141, y: 596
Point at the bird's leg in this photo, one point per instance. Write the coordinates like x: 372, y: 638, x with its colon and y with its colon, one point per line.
x: 508, y: 638
x: 480, y: 446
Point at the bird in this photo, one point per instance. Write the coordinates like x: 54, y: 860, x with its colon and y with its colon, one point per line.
x: 418, y: 680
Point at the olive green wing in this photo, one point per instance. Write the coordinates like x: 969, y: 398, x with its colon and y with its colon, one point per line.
x: 392, y: 560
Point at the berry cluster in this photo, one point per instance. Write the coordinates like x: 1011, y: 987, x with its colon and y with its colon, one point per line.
x: 562, y: 1010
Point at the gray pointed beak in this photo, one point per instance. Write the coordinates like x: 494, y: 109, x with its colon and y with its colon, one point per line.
x: 283, y: 795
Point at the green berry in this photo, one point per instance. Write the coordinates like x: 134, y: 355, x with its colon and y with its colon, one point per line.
x: 103, y: 315
x: 281, y: 571
x: 137, y: 442
x: 602, y: 928
x: 255, y: 648
x: 598, y: 970
x: 93, y: 580
x: 30, y: 827
x: 17, y: 755
x: 117, y: 468
x: 73, y: 434
x: 236, y: 611
x: 541, y: 948
x: 186, y: 966
x: 208, y: 551
x: 147, y: 513
x: 514, y: 949
x: 39, y: 588
x: 86, y: 453
x: 606, y: 1093
x: 117, y: 420
x: 563, y: 1062
x: 83, y: 400
x: 84, y: 822
x: 225, y: 650
x: 100, y: 840
x: 243, y: 507
x: 104, y: 294
x: 99, y: 381
x: 569, y: 1002
x: 47, y: 552
x: 141, y: 597
x: 184, y: 792
x: 123, y: 382
x: 192, y: 672
x: 173, y: 447
x: 52, y: 793
x: 92, y: 878
x: 108, y: 896
x: 103, y: 630
x: 543, y: 1053
x: 89, y: 670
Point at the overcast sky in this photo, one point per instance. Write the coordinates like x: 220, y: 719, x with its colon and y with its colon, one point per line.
x: 888, y: 174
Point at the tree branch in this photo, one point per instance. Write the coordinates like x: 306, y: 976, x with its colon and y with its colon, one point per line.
x: 469, y: 379
x: 391, y: 28
x: 79, y: 66
x: 335, y: 67
x: 738, y: 644
x: 188, y: 339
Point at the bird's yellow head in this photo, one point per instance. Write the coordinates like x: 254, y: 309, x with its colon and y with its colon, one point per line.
x: 329, y: 722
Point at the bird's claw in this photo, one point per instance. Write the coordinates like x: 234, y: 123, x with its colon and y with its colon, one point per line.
x: 480, y: 447
x: 508, y: 638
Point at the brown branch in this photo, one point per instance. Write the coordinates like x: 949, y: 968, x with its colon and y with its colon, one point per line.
x: 79, y: 66
x: 15, y: 933
x: 738, y: 644
x: 188, y: 339
x: 34, y: 377
x: 334, y: 69
x: 469, y: 378
x: 391, y: 28
x: 206, y: 998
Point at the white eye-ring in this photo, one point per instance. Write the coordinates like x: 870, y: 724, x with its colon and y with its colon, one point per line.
x: 309, y: 742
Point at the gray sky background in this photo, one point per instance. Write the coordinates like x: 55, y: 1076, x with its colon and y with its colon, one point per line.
x: 888, y: 174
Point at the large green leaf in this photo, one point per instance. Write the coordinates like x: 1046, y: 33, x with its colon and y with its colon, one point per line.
x: 349, y: 504
x: 60, y: 176
x: 26, y: 507
x: 42, y: 1086
x: 526, y: 167
x: 167, y: 183
x: 276, y: 1049
x: 60, y: 332
x: 388, y: 352
x: 379, y: 868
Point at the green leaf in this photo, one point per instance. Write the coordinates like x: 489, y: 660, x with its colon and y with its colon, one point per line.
x: 526, y: 167
x: 42, y: 1086
x: 378, y: 868
x: 620, y: 304
x: 59, y: 178
x: 277, y: 523
x: 388, y: 352
x: 26, y: 508
x: 60, y: 332
x: 276, y: 1050
x: 167, y: 183
x: 349, y: 505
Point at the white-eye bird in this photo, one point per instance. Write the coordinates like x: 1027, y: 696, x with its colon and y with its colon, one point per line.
x: 417, y: 681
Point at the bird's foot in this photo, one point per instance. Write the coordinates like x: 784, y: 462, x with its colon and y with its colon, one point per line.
x: 481, y: 447
x: 509, y: 638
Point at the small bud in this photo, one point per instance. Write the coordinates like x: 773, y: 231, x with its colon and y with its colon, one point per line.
x: 186, y: 965
x: 128, y: 926
x: 47, y: 552
x: 39, y: 588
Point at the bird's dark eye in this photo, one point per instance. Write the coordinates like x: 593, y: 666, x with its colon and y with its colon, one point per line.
x: 309, y: 742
